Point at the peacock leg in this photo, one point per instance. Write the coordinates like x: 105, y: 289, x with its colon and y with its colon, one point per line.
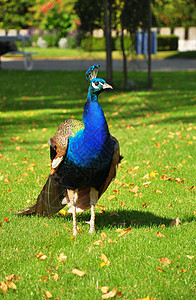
x: 73, y: 197
x: 93, y: 201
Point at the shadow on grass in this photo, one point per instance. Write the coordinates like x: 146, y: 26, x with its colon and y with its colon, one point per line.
x: 122, y: 218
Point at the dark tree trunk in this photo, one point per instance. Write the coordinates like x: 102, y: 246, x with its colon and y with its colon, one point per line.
x: 108, y: 39
x: 124, y: 58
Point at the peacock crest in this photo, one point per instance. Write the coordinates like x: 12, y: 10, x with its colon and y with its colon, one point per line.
x: 92, y: 72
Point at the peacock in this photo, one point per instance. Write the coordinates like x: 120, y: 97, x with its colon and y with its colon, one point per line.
x: 84, y: 158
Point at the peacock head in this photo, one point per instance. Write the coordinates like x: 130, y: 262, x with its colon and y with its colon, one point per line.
x: 97, y: 85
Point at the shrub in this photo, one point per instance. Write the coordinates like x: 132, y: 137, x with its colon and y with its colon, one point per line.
x: 127, y: 43
x: 93, y: 44
x: 63, y: 43
x: 167, y: 42
x: 41, y: 43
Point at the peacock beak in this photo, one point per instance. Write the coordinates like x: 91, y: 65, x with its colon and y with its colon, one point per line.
x: 107, y: 86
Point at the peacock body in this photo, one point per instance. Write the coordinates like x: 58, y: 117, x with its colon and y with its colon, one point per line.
x: 84, y: 158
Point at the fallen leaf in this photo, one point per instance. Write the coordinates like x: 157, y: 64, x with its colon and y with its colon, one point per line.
x: 182, y: 271
x: 104, y: 289
x: 126, y: 231
x: 78, y: 272
x: 62, y: 257
x: 158, y: 145
x: 122, y: 204
x: 109, y: 295
x: 152, y: 175
x: 99, y: 242
x: 102, y: 264
x: 175, y: 222
x: 103, y: 235
x: 41, y: 256
x: 111, y: 197
x: 159, y: 234
x: 12, y: 277
x: 48, y: 294
x: 146, y: 184
x: 164, y: 261
x: 105, y: 259
x: 55, y: 276
x: 160, y: 269
x: 3, y: 287
x: 134, y: 190
x: 5, y: 219
x: 158, y: 192
x: 111, y: 241
x: 11, y: 285
x: 63, y: 212
x: 190, y: 256
x: 113, y: 213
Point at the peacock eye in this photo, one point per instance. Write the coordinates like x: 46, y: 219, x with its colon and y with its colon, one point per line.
x: 96, y: 83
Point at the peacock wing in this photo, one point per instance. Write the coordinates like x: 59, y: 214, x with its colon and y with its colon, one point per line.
x: 59, y: 142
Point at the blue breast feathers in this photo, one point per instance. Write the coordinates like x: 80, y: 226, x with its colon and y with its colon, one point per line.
x: 93, y: 144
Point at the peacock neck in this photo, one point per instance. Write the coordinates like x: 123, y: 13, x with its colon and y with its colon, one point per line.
x: 94, y: 119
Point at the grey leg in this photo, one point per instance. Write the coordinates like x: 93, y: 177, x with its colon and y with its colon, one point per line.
x: 93, y: 201
x: 73, y: 197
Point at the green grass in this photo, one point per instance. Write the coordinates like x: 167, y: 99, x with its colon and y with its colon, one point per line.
x: 156, y: 131
x: 81, y: 54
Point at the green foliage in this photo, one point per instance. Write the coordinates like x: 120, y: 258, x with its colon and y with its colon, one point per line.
x: 175, y: 13
x: 16, y: 14
x: 156, y: 134
x: 127, y: 43
x: 167, y: 43
x: 93, y: 43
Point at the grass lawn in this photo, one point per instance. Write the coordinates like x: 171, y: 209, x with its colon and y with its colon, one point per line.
x: 81, y: 54
x: 155, y: 184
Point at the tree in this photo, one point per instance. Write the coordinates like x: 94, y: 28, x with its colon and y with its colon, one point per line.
x: 175, y: 13
x: 16, y: 14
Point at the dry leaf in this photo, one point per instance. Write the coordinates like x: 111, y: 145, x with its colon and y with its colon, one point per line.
x: 146, y: 184
x: 41, y: 256
x: 55, y: 276
x: 164, y: 261
x: 111, y: 241
x: 126, y: 231
x: 110, y: 294
x: 190, y: 256
x: 11, y: 285
x: 134, y: 190
x: 111, y: 197
x: 3, y: 287
x: 102, y: 264
x: 175, y: 222
x: 104, y: 289
x: 62, y: 257
x: 158, y: 192
x: 48, y: 294
x: 12, y: 277
x: 103, y: 235
x: 63, y: 212
x: 78, y: 272
x: 105, y: 259
x: 159, y: 234
x: 99, y: 242
x: 182, y: 271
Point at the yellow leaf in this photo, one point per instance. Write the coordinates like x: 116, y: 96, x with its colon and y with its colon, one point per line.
x: 152, y: 175
x: 111, y: 241
x: 105, y: 259
x: 3, y: 287
x: 109, y: 295
x: 126, y: 231
x: 103, y: 235
x: 11, y: 285
x: 55, y: 276
x: 111, y: 197
x: 78, y: 272
x: 102, y: 265
x: 157, y: 191
x: 62, y: 257
x: 41, y: 256
x: 99, y: 242
x: 48, y: 294
x: 104, y: 289
x: 190, y: 256
x: 135, y: 189
x: 63, y: 212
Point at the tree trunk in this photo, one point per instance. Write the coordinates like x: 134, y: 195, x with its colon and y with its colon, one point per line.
x: 124, y: 58
x: 108, y: 40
